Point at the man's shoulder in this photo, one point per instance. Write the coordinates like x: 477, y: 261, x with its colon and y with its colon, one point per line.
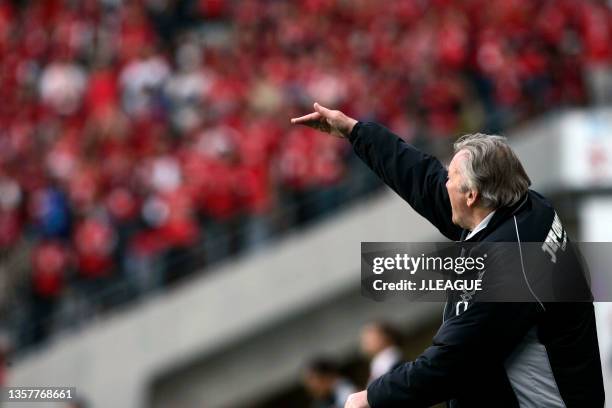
x: 540, y: 200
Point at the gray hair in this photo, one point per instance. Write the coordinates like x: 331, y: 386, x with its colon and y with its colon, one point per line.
x: 493, y: 169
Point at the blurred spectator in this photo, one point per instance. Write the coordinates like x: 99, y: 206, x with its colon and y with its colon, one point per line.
x: 50, y: 262
x: 188, y: 88
x: 95, y: 242
x: 142, y: 81
x: 11, y: 198
x: 50, y: 212
x: 381, y: 343
x: 326, y: 385
x: 62, y: 85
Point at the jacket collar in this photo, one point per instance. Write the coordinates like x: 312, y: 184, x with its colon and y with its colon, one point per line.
x: 482, y: 225
x: 501, y: 215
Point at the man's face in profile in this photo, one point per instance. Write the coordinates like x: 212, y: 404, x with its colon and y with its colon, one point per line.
x: 456, y: 192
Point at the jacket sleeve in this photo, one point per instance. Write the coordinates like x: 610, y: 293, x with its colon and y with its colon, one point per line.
x: 469, y: 347
x: 417, y: 177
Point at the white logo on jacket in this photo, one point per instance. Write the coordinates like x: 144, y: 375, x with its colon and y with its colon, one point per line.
x: 556, y: 238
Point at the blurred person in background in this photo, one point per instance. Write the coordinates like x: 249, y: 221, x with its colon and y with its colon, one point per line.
x: 50, y: 263
x: 380, y: 342
x: 324, y: 382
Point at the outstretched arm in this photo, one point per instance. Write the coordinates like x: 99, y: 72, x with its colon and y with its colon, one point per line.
x: 417, y: 177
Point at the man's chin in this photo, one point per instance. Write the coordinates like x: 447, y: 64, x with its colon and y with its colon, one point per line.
x: 457, y: 222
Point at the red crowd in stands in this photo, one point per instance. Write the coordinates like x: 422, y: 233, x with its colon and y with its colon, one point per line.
x: 130, y: 129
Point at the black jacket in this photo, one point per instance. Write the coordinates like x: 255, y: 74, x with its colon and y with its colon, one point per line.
x: 486, y: 354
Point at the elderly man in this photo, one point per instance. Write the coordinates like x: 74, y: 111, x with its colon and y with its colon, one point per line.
x: 485, y: 354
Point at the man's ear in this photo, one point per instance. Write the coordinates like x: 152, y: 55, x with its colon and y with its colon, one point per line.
x: 472, y: 198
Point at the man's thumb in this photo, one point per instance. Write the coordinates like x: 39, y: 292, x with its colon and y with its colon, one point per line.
x: 322, y: 110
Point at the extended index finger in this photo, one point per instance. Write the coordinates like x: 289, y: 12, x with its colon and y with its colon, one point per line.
x: 302, y: 120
